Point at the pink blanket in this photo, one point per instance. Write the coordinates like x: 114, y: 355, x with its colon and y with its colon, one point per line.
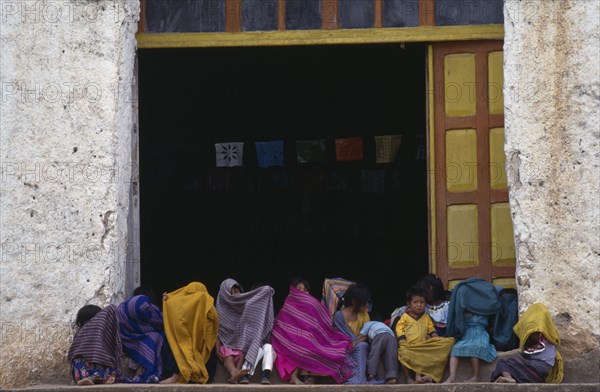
x: 303, y: 337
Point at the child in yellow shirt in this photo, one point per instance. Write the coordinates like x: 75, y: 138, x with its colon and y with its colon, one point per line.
x: 420, y: 350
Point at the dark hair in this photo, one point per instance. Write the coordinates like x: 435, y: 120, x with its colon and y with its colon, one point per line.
x: 85, y: 314
x: 147, y: 291
x: 299, y: 279
x: 437, y: 287
x: 357, y: 295
x: 416, y: 291
x: 448, y: 294
x: 422, y: 284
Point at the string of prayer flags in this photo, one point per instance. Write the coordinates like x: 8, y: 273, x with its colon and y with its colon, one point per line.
x: 386, y: 148
x: 349, y: 149
x: 269, y: 153
x: 229, y: 154
x: 310, y: 151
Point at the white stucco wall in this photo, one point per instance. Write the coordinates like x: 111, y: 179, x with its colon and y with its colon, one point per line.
x: 65, y: 150
x: 552, y: 119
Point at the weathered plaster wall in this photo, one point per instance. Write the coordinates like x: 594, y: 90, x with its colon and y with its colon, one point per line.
x: 552, y: 106
x: 66, y: 124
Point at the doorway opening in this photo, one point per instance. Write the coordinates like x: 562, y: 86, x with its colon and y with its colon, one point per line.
x: 357, y: 220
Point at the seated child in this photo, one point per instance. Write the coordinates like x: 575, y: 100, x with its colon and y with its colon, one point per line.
x: 350, y: 320
x: 191, y: 326
x: 437, y: 305
x: 539, y: 361
x: 473, y: 308
x: 383, y: 345
x: 96, y: 349
x: 420, y: 350
x: 142, y: 333
x: 245, y: 323
x: 306, y: 341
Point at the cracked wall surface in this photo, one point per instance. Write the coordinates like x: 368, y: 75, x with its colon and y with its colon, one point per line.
x: 65, y: 150
x: 552, y: 120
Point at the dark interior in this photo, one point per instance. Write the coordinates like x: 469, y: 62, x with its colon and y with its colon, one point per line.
x: 204, y: 223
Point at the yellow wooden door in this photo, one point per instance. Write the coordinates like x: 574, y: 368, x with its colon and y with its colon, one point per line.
x: 471, y: 227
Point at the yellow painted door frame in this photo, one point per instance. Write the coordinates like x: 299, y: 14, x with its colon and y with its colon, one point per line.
x: 422, y: 34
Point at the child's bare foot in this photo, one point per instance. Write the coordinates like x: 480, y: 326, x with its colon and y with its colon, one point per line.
x: 86, y: 381
x: 423, y: 380
x: 171, y: 380
x: 310, y: 380
x: 295, y: 380
x: 236, y: 375
x: 504, y: 379
x: 410, y: 380
x: 449, y: 380
x: 473, y: 379
x: 391, y: 381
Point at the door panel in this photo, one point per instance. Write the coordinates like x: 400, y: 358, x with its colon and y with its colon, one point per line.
x: 471, y: 215
x: 461, y: 154
x: 459, y: 80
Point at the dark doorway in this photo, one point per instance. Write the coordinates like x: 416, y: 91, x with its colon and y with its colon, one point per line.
x: 356, y: 220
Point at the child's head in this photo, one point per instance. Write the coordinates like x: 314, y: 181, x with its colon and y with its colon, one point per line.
x: 357, y: 296
x: 147, y: 291
x: 301, y: 283
x: 235, y: 289
x: 436, y: 287
x: 416, y: 299
x: 85, y: 314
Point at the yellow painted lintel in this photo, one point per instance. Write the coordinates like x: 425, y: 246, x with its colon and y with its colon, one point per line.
x: 320, y: 37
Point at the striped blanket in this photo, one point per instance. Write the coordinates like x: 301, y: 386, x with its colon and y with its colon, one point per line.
x: 98, y: 341
x: 304, y: 337
x: 333, y: 290
x: 245, y: 319
x: 142, y: 334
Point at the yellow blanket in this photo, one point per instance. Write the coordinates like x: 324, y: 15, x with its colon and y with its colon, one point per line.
x: 537, y: 319
x: 419, y: 354
x: 191, y: 325
x: 428, y: 357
